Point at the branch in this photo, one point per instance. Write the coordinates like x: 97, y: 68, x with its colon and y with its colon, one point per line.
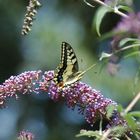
x: 132, y: 103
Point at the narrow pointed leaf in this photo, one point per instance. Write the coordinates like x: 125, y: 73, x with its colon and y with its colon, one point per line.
x: 101, y: 12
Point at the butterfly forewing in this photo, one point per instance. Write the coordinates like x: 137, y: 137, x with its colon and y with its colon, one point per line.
x: 68, y: 56
x: 68, y: 67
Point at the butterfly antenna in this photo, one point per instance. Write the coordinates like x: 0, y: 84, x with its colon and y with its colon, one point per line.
x: 93, y: 65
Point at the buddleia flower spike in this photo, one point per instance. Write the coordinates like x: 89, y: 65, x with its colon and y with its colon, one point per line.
x: 30, y: 16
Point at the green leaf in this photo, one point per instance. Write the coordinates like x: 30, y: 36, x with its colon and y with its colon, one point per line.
x: 99, y: 17
x: 104, y: 55
x: 131, y: 121
x: 132, y: 54
x: 126, y: 40
x: 89, y: 134
x: 136, y: 80
x: 109, y: 35
x: 125, y: 8
x: 120, y: 108
x: 135, y: 114
x: 119, y: 130
x: 110, y: 110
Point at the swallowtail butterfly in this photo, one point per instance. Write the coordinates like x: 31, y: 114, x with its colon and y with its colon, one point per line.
x: 67, y: 71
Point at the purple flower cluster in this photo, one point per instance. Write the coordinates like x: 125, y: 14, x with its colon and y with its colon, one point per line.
x: 24, y: 135
x: 130, y: 25
x: 24, y: 83
x: 127, y: 27
x: 89, y: 101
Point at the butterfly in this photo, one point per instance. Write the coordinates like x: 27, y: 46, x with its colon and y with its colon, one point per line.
x: 67, y: 71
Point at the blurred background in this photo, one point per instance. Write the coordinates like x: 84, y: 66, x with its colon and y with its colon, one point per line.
x: 56, y: 21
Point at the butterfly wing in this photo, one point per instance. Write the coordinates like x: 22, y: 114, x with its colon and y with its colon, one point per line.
x: 68, y: 66
x: 68, y: 57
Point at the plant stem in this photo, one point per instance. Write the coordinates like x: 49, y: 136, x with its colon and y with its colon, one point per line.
x: 132, y: 103
x: 105, y: 135
x: 114, y: 9
x: 127, y: 47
